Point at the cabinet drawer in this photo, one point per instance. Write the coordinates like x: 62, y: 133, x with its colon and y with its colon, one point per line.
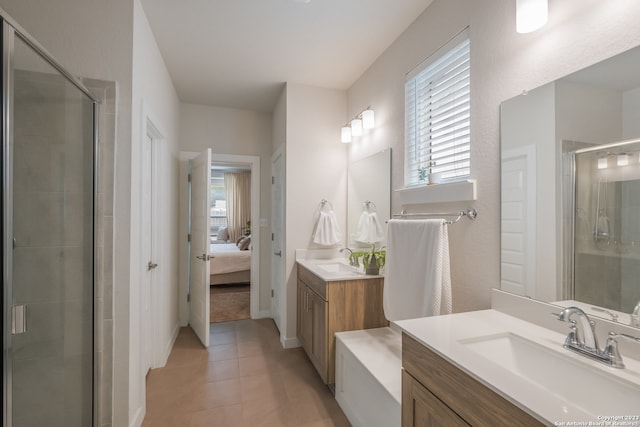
x: 474, y: 402
x: 312, y: 281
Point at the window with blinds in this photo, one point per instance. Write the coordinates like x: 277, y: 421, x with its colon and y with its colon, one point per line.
x: 437, y: 115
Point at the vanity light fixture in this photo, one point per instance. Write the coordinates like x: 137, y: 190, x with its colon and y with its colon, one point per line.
x: 368, y: 119
x: 364, y: 120
x: 603, y: 162
x: 356, y: 127
x: 346, y: 134
x: 622, y: 159
x: 531, y: 15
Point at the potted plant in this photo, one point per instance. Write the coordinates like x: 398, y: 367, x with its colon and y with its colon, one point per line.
x: 372, y: 260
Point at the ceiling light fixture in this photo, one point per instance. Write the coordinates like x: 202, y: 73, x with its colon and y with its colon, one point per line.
x: 531, y: 15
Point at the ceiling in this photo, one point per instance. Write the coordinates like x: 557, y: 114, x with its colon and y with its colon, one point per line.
x: 239, y: 53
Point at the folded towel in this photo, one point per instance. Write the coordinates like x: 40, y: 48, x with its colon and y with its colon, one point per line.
x: 417, y: 273
x: 369, y: 228
x: 327, y: 231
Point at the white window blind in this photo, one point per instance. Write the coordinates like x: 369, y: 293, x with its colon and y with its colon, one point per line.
x: 437, y: 115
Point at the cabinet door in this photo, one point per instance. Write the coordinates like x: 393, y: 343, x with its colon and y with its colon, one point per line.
x: 305, y: 320
x: 319, y: 333
x: 421, y: 408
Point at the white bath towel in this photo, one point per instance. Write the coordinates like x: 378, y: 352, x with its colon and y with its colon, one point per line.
x: 369, y: 228
x: 417, y: 279
x: 327, y: 231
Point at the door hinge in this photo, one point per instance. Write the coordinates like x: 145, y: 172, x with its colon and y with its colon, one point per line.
x: 189, y: 178
x: 272, y: 237
x: 273, y: 179
x: 188, y: 237
x: 188, y: 297
x: 271, y: 293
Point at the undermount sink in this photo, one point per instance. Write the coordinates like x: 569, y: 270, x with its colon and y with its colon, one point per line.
x: 592, y: 389
x: 339, y: 268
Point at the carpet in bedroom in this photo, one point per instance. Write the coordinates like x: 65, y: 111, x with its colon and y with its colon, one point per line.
x: 229, y: 302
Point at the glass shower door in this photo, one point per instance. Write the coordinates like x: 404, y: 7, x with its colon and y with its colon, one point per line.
x: 49, y: 203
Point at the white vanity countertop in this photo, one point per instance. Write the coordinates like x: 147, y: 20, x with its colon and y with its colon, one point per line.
x: 323, y: 263
x: 446, y: 335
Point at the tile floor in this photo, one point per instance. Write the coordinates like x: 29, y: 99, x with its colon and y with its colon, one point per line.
x: 245, y: 379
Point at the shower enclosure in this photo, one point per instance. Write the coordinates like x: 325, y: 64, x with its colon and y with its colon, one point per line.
x: 606, y: 231
x: 48, y: 187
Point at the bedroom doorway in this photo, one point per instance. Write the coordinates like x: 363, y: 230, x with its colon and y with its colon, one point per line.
x: 230, y: 241
x: 210, y: 235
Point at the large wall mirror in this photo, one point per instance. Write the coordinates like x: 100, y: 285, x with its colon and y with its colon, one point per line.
x: 570, y: 190
x: 369, y: 200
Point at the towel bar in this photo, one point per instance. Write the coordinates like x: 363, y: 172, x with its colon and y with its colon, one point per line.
x: 470, y: 213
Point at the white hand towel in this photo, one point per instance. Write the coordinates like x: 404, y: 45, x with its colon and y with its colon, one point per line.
x: 417, y: 273
x: 369, y: 228
x: 327, y: 231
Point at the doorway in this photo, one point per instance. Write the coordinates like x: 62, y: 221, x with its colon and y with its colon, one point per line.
x: 150, y: 238
x: 204, y: 235
x: 230, y: 239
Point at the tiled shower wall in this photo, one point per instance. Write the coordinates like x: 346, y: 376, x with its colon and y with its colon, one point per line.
x: 106, y: 92
x: 52, y: 226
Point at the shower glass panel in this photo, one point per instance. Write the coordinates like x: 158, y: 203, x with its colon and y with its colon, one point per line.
x: 607, y: 228
x: 49, y: 366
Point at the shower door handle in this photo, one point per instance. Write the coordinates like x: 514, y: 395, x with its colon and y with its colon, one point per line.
x: 18, y: 319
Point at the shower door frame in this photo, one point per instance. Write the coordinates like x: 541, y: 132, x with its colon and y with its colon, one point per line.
x: 9, y: 30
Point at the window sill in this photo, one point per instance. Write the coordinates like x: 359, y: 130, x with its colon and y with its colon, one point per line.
x: 438, y: 193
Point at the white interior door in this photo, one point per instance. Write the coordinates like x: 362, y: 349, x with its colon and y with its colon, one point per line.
x: 277, y: 229
x: 200, y: 266
x: 147, y: 256
x: 518, y: 221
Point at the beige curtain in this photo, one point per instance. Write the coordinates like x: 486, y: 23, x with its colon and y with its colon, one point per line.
x: 237, y: 188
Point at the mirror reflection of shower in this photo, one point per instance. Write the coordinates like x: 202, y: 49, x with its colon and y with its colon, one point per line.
x: 606, y: 231
x: 602, y: 232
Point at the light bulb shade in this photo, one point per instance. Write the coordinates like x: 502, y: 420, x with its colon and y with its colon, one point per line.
x: 356, y: 127
x: 368, y: 119
x: 603, y: 162
x: 346, y: 134
x: 623, y: 159
x: 531, y: 15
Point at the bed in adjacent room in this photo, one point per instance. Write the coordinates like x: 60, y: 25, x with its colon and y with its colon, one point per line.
x: 231, y: 263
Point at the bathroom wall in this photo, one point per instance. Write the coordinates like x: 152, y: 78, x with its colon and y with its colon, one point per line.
x: 237, y: 132
x: 503, y: 64
x: 155, y: 99
x: 316, y: 168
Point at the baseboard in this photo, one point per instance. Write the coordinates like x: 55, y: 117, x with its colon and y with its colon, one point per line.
x: 264, y: 314
x: 290, y: 342
x: 170, y: 344
x: 137, y: 418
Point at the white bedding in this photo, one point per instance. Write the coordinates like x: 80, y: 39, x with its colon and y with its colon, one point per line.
x: 227, y: 258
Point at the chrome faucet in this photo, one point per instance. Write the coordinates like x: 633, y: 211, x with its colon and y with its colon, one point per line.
x: 582, y: 334
x: 353, y: 261
x: 583, y: 340
x: 635, y: 316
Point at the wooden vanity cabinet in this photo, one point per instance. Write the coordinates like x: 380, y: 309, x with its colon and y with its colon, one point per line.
x: 436, y: 393
x: 325, y: 308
